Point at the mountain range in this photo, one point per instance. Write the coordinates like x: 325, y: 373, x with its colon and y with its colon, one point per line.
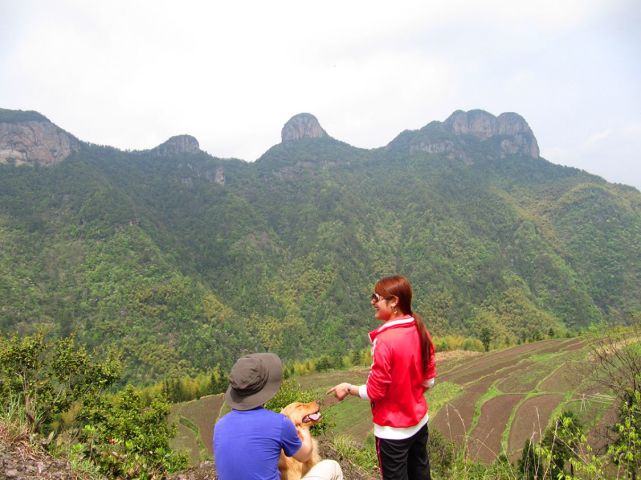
x: 182, y: 260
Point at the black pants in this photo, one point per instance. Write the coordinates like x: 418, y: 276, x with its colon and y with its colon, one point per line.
x: 404, y: 459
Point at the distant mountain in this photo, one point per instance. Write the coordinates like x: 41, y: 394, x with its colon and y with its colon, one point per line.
x: 183, y: 260
x: 30, y: 138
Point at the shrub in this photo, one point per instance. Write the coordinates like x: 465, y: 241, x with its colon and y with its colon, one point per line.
x: 128, y: 438
x: 441, y: 453
x: 49, y: 376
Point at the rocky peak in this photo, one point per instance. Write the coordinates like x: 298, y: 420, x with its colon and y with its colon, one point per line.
x: 303, y: 125
x: 177, y: 145
x: 477, y: 123
x: 29, y: 138
x: 516, y: 135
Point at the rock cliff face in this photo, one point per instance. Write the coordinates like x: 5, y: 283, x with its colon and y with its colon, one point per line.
x: 519, y: 138
x: 29, y: 138
x: 177, y: 145
x: 34, y: 142
x: 303, y: 125
x: 511, y: 132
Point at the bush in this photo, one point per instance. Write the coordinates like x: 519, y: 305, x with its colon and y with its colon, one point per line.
x: 626, y: 449
x: 49, y: 376
x: 127, y: 438
x: 441, y: 452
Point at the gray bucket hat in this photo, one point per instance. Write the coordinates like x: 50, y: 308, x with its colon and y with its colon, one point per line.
x: 253, y: 380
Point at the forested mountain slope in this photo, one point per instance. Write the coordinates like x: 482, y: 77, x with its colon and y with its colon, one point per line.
x: 183, y: 260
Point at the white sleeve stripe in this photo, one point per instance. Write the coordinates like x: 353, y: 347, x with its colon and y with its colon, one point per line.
x: 362, y: 392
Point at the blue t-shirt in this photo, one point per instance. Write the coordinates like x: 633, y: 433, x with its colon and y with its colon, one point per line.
x: 247, y: 444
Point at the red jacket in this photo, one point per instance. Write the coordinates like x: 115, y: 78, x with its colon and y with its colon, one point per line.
x: 395, y: 382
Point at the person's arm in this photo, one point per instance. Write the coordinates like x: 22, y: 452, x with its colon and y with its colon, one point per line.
x: 377, y: 382
x: 345, y: 389
x: 430, y: 374
x: 305, y: 451
x: 380, y: 373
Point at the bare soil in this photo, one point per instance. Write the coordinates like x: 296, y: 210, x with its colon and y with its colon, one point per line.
x: 562, y: 380
x: 492, y: 362
x: 599, y: 435
x: 21, y: 460
x: 485, y: 441
x: 454, y: 419
x: 524, y: 379
x: 574, y: 344
x: 531, y: 420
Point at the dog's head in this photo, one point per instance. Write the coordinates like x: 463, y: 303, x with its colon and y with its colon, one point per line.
x: 303, y: 414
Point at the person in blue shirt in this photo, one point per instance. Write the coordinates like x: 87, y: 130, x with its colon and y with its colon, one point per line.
x: 249, y: 439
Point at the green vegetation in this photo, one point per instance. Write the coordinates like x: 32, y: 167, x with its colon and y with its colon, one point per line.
x: 47, y: 378
x: 181, y: 273
x: 15, y: 116
x: 126, y: 437
x: 626, y: 449
x: 56, y: 391
x: 441, y: 394
x: 129, y: 260
x: 93, y: 435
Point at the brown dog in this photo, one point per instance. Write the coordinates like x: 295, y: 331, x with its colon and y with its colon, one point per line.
x: 303, y: 416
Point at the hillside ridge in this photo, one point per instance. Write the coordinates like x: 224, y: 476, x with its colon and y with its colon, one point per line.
x: 30, y: 138
x: 182, y: 260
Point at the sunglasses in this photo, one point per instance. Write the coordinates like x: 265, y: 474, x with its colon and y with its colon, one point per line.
x: 375, y: 298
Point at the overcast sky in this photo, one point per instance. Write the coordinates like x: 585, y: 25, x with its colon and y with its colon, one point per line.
x: 133, y: 73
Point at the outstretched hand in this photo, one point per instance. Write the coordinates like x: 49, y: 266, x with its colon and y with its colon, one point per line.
x: 340, y: 391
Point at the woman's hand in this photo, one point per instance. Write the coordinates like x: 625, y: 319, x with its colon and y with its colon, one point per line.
x: 341, y: 390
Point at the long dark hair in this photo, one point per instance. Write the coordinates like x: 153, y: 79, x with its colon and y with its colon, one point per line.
x: 400, y: 287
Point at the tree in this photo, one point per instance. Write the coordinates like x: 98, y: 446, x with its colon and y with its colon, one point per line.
x: 485, y: 336
x: 129, y: 438
x: 49, y: 376
x: 530, y: 466
x: 618, y: 360
x: 562, y: 440
x: 562, y: 454
x: 626, y: 449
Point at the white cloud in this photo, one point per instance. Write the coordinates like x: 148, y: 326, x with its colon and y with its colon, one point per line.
x: 598, y: 137
x: 633, y: 130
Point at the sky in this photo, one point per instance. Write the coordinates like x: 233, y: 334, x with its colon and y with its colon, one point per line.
x: 131, y: 74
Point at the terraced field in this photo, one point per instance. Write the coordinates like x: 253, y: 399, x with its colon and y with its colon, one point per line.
x: 195, y: 423
x: 511, y: 395
x: 488, y: 403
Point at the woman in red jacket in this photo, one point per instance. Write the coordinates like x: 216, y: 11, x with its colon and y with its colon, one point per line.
x: 402, y: 369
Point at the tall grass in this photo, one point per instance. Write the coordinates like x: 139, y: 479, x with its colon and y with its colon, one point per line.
x: 14, y: 424
x: 15, y: 430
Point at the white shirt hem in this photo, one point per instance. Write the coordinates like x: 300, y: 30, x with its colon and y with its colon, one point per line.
x: 393, y: 433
